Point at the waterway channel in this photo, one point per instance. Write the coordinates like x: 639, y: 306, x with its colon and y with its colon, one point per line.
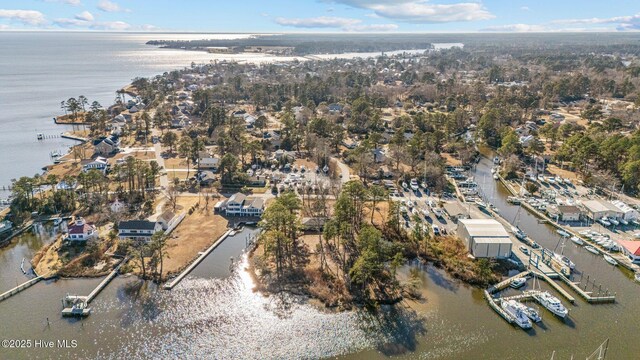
x: 214, y: 313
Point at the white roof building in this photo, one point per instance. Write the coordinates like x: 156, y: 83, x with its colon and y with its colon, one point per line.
x: 485, y: 238
x: 628, y: 213
x: 597, y: 209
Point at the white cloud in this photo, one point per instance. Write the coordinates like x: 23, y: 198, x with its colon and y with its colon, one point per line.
x: 66, y: 23
x: 4, y: 27
x: 110, y: 6
x: 27, y: 17
x: 111, y: 25
x: 516, y: 28
x: 318, y: 22
x: 69, y: 2
x: 525, y: 8
x: 372, y: 28
x: 84, y: 16
x: 422, y: 11
x: 346, y: 24
x: 622, y: 23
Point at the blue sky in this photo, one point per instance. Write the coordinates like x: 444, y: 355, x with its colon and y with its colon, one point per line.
x: 322, y: 15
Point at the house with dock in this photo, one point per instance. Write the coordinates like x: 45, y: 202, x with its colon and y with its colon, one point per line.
x: 81, y: 231
x: 240, y: 204
x: 485, y: 238
x: 138, y: 230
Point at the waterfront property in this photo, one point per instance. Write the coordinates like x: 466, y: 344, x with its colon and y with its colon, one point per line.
x: 81, y: 231
x: 597, y: 209
x: 241, y: 205
x: 485, y: 238
x: 631, y: 249
x: 106, y: 146
x: 138, y: 230
x: 99, y: 163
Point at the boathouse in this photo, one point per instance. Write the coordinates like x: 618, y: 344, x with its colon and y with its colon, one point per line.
x: 485, y: 238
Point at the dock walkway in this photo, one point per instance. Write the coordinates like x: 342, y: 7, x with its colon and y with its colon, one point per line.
x: 105, y: 281
x: 21, y: 287
x: 197, y: 261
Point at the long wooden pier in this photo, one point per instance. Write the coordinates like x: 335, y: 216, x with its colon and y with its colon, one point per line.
x: 21, y: 287
x: 587, y: 295
x: 105, y: 281
x: 503, y: 284
x: 198, y: 260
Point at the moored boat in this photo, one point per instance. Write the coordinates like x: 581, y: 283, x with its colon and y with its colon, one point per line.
x: 551, y: 303
x: 592, y: 250
x: 518, y: 282
x: 576, y: 240
x: 563, y: 233
x: 610, y: 260
x: 512, y: 308
x: 565, y: 260
x: 519, y: 234
x: 530, y: 312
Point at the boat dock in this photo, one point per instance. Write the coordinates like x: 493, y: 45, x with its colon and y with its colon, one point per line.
x: 556, y: 287
x: 198, y: 260
x: 505, y: 283
x: 603, y: 297
x: 105, y: 281
x: 19, y: 288
x: 622, y: 260
x: 74, y: 305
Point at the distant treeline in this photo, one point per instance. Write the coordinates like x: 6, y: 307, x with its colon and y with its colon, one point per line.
x: 517, y: 45
x: 308, y: 44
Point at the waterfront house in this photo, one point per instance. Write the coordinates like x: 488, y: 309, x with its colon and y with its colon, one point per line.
x: 106, y: 146
x: 241, y: 205
x: 99, y: 163
x: 81, y: 231
x: 485, y: 238
x: 138, y: 230
x: 631, y: 249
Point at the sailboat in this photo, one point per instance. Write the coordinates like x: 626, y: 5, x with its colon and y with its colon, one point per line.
x: 519, y: 234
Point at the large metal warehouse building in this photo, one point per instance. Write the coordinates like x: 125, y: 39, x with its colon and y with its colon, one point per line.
x: 485, y: 238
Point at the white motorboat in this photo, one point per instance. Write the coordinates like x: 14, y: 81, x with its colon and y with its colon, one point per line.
x: 519, y: 234
x: 521, y: 319
x: 530, y: 312
x: 541, y: 179
x: 604, y: 222
x: 565, y: 260
x: 481, y: 204
x: 496, y: 177
x: 610, y: 260
x: 624, y: 222
x: 551, y: 180
x: 551, y: 303
x: 493, y: 170
x: 563, y: 233
x: 423, y: 185
x: 576, y: 240
x: 592, y: 250
x: 518, y: 282
x: 614, y: 222
x: 636, y: 277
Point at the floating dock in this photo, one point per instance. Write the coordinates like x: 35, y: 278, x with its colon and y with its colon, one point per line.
x: 198, y: 260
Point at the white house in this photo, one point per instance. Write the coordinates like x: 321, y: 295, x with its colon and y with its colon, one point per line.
x: 138, y: 230
x: 98, y: 163
x: 167, y: 219
x: 241, y: 205
x: 117, y: 206
x: 209, y: 163
x: 81, y: 231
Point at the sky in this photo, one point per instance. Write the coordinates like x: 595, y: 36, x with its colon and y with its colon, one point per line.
x: 280, y: 16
